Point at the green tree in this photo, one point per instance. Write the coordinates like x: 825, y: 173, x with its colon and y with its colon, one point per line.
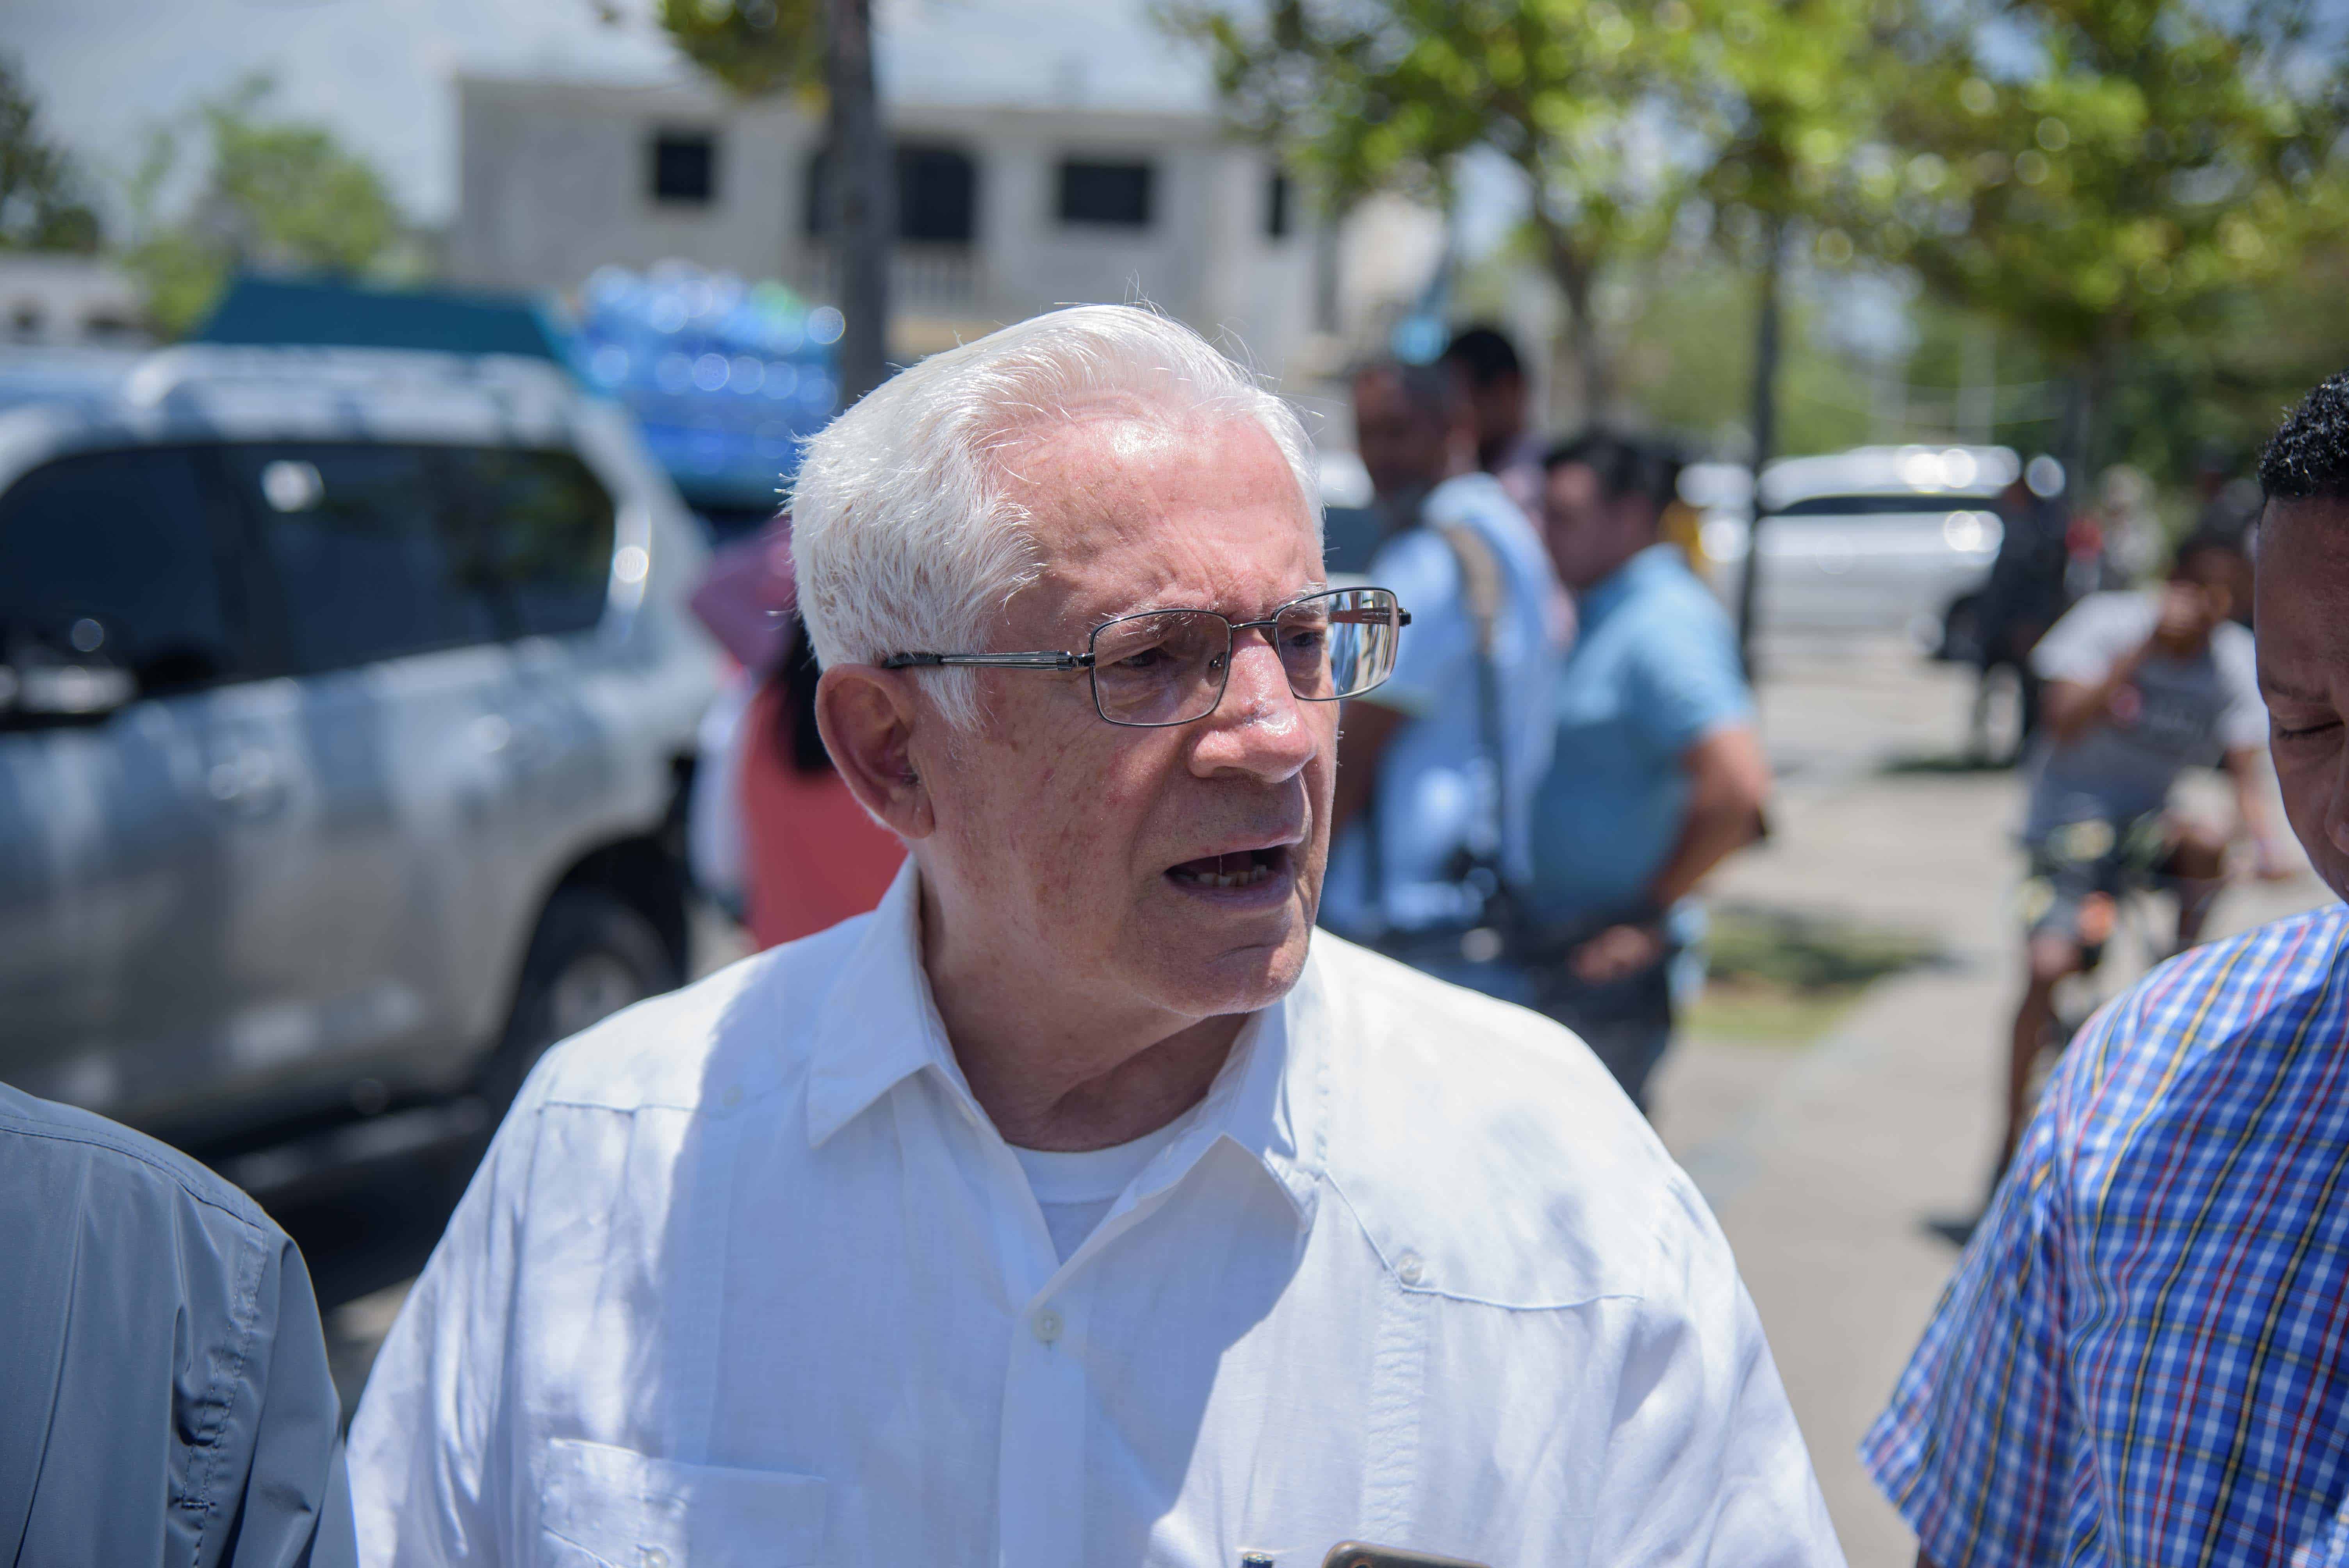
x: 2110, y: 177
x: 1687, y: 363
x: 42, y: 205
x: 1389, y: 94
x: 1616, y: 114
x: 755, y: 48
x: 275, y: 194
x: 818, y: 48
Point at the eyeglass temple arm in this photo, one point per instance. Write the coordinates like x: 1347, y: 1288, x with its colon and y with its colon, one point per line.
x: 1037, y: 661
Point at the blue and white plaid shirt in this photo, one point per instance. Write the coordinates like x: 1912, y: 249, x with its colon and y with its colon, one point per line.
x: 2144, y: 1357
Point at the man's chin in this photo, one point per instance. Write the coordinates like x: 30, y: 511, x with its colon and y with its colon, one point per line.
x: 1211, y: 975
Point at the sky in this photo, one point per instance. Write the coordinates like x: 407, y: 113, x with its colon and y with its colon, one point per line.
x: 380, y: 72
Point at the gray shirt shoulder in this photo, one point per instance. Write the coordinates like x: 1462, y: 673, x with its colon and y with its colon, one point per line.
x: 2177, y: 714
x: 164, y: 1395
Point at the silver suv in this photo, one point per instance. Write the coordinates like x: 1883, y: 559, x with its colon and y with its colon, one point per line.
x: 345, y: 703
x: 1875, y: 539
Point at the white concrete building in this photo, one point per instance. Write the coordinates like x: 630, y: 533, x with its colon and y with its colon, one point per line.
x: 65, y: 299
x: 1004, y: 211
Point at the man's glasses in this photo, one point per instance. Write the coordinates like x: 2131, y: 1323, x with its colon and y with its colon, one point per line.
x: 1164, y: 667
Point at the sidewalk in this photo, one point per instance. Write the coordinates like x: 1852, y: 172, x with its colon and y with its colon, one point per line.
x: 1824, y: 1162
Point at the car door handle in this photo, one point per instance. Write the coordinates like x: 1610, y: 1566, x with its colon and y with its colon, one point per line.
x: 523, y: 740
x: 247, y: 783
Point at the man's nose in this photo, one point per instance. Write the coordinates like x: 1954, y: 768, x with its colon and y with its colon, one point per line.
x: 1261, y: 727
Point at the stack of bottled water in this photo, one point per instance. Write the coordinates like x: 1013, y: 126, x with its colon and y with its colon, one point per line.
x: 727, y: 378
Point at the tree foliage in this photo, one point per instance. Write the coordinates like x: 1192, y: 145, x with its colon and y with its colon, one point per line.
x: 1616, y: 114
x: 274, y: 194
x: 753, y: 48
x: 2101, y: 173
x: 42, y: 202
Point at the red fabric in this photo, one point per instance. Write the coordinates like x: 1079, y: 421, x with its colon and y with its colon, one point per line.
x: 815, y: 857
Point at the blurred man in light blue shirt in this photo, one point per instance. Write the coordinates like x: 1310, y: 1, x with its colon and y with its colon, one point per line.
x: 1438, y: 766
x: 1656, y: 772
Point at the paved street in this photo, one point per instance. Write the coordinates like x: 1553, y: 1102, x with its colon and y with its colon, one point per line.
x: 1824, y: 1159
x: 1825, y: 1162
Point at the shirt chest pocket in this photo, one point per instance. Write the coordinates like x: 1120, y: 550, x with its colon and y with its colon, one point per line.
x: 601, y: 1506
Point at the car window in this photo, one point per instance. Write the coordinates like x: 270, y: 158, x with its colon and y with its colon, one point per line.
x: 541, y: 525
x: 365, y: 558
x: 111, y: 558
x: 1909, y: 504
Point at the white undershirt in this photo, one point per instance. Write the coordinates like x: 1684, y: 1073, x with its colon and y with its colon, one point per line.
x: 1077, y: 1191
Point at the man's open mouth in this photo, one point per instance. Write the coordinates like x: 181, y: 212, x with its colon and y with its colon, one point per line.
x: 1240, y: 869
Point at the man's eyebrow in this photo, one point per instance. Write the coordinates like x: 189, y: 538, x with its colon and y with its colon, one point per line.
x: 1311, y: 588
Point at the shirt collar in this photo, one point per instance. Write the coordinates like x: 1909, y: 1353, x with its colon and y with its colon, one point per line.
x: 1619, y: 585
x: 880, y: 1025
x: 1268, y: 1099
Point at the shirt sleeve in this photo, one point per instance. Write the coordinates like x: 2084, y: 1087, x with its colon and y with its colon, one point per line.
x: 1424, y: 574
x: 2090, y: 639
x: 164, y: 1394
x: 1685, y: 682
x: 430, y: 1449
x: 1706, y: 1461
x: 295, y: 1513
x: 1979, y: 1444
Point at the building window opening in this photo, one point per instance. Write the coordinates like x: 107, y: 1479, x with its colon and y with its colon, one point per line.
x: 1115, y: 195
x: 938, y: 195
x: 938, y: 188
x: 1277, y: 199
x: 685, y: 166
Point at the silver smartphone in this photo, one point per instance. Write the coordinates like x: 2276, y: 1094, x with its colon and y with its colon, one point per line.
x: 1361, y: 1554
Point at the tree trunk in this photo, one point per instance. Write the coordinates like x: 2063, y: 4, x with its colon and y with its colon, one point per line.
x: 1584, y: 357
x: 863, y: 195
x: 1765, y: 429
x: 2078, y: 452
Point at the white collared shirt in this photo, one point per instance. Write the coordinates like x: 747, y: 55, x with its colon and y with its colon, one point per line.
x: 749, y: 1278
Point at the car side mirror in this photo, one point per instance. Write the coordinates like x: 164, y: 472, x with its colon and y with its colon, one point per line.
x: 53, y: 692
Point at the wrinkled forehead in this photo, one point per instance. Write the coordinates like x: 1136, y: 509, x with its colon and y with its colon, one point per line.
x: 1129, y: 513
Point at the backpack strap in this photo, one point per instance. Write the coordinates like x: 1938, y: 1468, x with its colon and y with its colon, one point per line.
x: 1482, y: 594
x: 1481, y: 586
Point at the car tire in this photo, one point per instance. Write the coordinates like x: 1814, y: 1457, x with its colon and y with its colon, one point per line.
x: 1961, y: 629
x: 591, y: 956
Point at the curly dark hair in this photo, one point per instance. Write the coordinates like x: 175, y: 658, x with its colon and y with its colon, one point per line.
x: 2308, y: 457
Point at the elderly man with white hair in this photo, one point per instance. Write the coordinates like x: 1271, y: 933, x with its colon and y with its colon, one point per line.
x: 1080, y: 1205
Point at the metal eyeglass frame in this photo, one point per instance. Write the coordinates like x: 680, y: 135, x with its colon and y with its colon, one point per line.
x: 1085, y: 661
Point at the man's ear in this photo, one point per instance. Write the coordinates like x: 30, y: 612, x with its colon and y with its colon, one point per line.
x: 866, y: 715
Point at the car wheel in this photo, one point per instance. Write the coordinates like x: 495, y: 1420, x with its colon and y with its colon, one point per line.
x: 1961, y: 631
x: 591, y: 956
x: 1995, y: 733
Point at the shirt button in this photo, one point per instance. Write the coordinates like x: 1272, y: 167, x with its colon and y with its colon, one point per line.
x: 733, y: 1098
x: 1046, y: 1325
x: 1409, y: 1269
x: 652, y: 1557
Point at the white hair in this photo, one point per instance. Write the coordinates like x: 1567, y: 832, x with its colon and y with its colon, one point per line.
x: 905, y: 538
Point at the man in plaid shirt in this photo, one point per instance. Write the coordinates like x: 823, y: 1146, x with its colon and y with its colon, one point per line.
x: 2144, y: 1357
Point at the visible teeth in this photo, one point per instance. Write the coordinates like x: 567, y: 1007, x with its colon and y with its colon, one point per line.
x: 1254, y: 872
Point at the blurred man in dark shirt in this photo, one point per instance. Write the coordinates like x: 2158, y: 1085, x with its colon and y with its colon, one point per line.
x: 1491, y: 381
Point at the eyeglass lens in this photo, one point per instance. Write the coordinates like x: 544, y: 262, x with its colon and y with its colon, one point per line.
x: 1169, y: 666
